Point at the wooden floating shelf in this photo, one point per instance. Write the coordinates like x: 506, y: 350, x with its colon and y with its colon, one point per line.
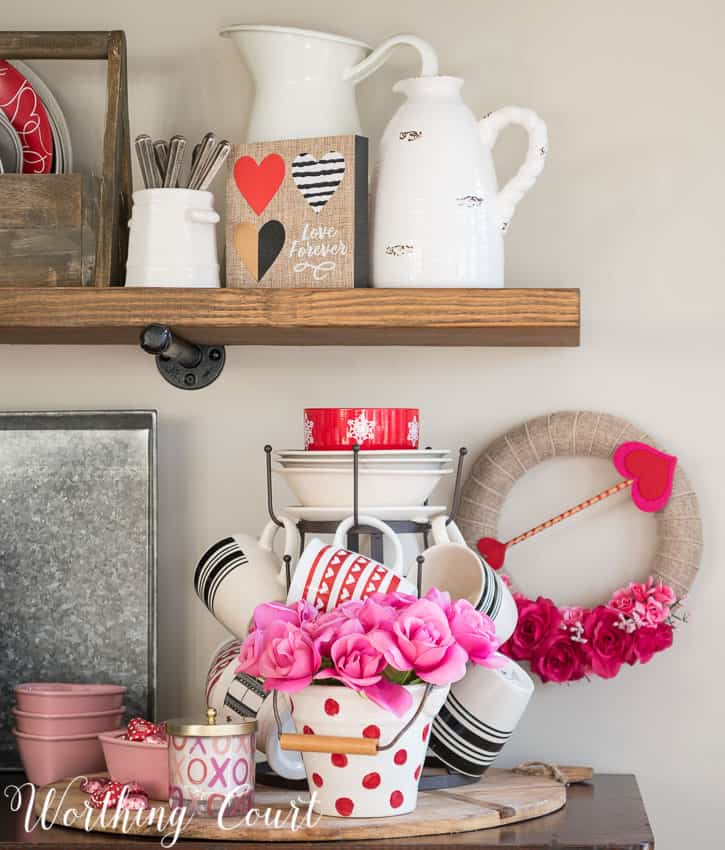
x: 445, y: 317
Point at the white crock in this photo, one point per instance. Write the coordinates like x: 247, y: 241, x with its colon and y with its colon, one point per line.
x: 438, y: 218
x: 383, y: 785
x: 172, y: 240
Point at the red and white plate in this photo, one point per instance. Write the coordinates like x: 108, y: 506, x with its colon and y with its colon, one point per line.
x: 370, y: 427
x: 22, y: 105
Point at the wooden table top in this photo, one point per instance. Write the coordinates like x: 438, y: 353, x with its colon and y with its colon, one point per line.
x: 605, y: 814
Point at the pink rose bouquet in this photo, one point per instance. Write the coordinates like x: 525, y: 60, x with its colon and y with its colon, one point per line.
x: 375, y: 646
x: 570, y: 643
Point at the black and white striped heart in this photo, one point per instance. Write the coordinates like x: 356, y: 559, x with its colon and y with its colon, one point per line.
x: 318, y: 179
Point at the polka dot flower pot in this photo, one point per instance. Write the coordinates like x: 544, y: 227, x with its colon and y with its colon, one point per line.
x: 364, y: 786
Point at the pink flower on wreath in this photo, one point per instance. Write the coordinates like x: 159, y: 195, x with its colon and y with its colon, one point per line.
x: 288, y: 659
x: 360, y: 665
x: 572, y: 615
x: 609, y: 643
x: 421, y: 640
x: 560, y: 660
x: 646, y: 642
x: 664, y: 594
x: 623, y: 600
x: 538, y: 620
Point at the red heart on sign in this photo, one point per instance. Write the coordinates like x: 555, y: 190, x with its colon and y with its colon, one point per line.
x: 258, y: 184
x: 652, y: 470
x: 493, y: 551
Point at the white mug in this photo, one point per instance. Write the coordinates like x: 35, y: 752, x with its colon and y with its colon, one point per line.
x: 480, y: 714
x: 239, y: 572
x: 329, y: 574
x: 452, y: 566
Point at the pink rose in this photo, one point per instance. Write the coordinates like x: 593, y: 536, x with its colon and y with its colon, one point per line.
x: 663, y: 594
x: 441, y: 598
x: 648, y: 641
x: 377, y: 615
x: 609, y: 645
x: 638, y: 591
x: 623, y: 601
x: 654, y: 612
x: 537, y: 622
x: 249, y: 653
x: 572, y: 615
x: 421, y: 640
x: 476, y: 633
x: 272, y: 612
x: 396, y: 599
x: 560, y: 660
x: 332, y: 625
x: 288, y: 659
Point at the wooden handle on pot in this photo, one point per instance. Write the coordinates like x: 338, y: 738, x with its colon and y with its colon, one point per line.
x: 329, y: 744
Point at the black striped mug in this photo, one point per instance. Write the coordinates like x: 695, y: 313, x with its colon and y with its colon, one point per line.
x: 479, y: 716
x: 239, y: 572
x: 450, y: 565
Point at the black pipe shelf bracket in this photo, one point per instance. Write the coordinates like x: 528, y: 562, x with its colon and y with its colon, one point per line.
x: 183, y: 364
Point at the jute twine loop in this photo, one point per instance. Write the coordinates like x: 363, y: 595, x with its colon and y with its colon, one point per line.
x: 541, y: 768
x: 581, y: 433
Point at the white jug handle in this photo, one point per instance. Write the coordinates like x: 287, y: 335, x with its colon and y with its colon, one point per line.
x: 428, y: 58
x: 445, y: 532
x: 489, y: 128
x: 203, y: 216
x: 373, y: 522
x: 291, y: 537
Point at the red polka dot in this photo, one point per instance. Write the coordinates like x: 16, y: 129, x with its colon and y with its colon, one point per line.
x: 317, y: 779
x: 339, y: 759
x: 344, y: 806
x: 396, y: 799
x: 332, y: 707
x: 416, y: 775
x: 371, y: 731
x: 371, y: 780
x: 400, y: 757
x: 308, y: 730
x: 426, y: 730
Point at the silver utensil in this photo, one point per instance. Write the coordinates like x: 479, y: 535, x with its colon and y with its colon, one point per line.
x: 148, y: 146
x: 221, y: 152
x: 177, y: 146
x: 161, y: 151
x: 195, y: 155
x: 141, y: 154
x: 205, y: 153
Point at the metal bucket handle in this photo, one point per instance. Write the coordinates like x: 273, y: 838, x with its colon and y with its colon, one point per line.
x: 336, y: 743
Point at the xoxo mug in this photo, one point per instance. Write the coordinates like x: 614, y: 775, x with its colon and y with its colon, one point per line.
x: 480, y: 714
x: 452, y: 566
x: 239, y: 572
x: 238, y: 696
x: 329, y: 574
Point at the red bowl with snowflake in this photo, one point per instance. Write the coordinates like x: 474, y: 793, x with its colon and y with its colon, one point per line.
x: 372, y: 428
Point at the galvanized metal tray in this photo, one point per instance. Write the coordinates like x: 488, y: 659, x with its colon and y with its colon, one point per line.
x: 78, y: 493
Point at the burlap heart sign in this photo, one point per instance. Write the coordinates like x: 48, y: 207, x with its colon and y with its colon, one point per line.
x: 297, y: 214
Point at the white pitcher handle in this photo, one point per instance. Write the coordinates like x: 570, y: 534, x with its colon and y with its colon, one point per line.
x: 428, y: 58
x: 489, y: 128
x: 373, y: 522
x: 291, y: 537
x: 445, y: 532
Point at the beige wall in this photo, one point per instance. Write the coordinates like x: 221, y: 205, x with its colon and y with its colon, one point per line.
x: 629, y: 209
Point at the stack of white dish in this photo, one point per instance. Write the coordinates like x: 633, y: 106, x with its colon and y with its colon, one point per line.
x: 392, y: 479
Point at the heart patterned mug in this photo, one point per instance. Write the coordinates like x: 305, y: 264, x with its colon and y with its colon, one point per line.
x: 329, y: 574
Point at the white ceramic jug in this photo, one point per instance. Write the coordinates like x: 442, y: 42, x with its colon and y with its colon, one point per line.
x: 305, y: 80
x: 438, y: 218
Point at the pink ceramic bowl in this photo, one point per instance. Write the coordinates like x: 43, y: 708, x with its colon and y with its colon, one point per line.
x: 62, y: 698
x: 67, y: 724
x: 131, y: 761
x: 49, y: 758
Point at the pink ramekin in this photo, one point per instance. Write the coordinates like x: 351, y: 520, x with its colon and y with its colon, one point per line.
x: 65, y: 698
x: 137, y: 761
x: 50, y: 758
x: 67, y: 724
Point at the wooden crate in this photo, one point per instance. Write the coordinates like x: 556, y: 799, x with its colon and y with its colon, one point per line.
x: 48, y: 228
x: 70, y: 229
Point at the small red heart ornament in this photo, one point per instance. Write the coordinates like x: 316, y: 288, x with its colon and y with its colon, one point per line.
x: 258, y: 183
x: 493, y: 551
x: 652, y: 470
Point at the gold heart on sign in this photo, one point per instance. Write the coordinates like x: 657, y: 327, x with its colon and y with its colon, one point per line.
x: 246, y: 241
x: 258, y: 249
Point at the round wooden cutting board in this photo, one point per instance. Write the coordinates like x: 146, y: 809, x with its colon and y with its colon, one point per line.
x: 500, y: 798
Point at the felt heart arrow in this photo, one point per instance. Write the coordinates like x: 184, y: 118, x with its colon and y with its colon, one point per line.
x: 649, y: 472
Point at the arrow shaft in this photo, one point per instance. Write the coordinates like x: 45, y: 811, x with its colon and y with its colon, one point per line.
x: 569, y: 512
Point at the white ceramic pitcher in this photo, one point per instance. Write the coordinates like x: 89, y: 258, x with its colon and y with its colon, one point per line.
x: 305, y: 80
x: 438, y: 218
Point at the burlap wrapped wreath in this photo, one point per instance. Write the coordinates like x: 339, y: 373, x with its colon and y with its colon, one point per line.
x: 564, y: 644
